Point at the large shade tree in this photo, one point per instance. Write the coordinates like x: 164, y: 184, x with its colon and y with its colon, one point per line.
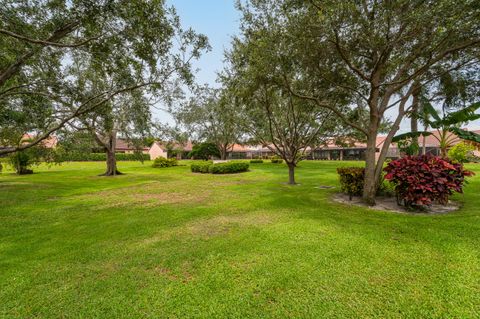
x: 378, y: 52
x: 126, y: 46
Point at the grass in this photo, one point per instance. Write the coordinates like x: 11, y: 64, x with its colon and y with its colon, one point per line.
x: 158, y: 243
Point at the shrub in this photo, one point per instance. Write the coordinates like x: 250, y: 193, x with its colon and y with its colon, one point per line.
x: 160, y: 162
x: 276, y: 160
x: 421, y: 180
x: 256, y: 161
x: 1, y: 167
x: 351, y: 180
x: 219, y: 168
x: 204, y: 151
x: 101, y: 157
x: 201, y: 167
x: 461, y: 152
x: 20, y: 161
x: 229, y: 168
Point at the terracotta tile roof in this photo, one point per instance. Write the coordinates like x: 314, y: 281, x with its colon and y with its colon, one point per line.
x: 49, y: 142
x: 430, y: 141
x: 124, y: 145
x: 187, y: 147
x: 240, y: 148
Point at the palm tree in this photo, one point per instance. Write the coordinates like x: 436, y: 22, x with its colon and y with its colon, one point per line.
x: 447, y: 125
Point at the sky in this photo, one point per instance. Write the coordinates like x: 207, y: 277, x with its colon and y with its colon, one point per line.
x: 219, y: 21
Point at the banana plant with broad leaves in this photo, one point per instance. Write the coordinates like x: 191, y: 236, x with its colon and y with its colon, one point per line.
x: 447, y: 125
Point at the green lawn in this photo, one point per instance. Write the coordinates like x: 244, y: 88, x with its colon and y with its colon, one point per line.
x: 158, y: 243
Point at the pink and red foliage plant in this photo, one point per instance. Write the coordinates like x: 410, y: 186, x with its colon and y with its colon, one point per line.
x: 422, y: 180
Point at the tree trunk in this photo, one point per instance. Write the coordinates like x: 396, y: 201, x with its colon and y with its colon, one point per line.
x: 370, y: 182
x: 223, y: 154
x: 414, y: 119
x: 223, y: 149
x: 424, y: 141
x: 111, y: 159
x: 291, y: 173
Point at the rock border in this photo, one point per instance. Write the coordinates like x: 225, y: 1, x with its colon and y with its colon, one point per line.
x: 390, y: 204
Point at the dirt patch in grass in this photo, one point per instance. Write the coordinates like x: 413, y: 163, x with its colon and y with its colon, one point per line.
x: 390, y: 204
x: 220, y: 225
x: 183, y: 276
x: 142, y: 195
x: 211, y: 227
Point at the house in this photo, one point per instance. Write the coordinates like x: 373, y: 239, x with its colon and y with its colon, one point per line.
x: 124, y: 146
x: 49, y: 142
x: 356, y: 150
x: 249, y: 152
x: 169, y: 150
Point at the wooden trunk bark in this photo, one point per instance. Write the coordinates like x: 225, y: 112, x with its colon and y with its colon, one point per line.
x: 291, y: 173
x: 370, y: 182
x: 111, y: 158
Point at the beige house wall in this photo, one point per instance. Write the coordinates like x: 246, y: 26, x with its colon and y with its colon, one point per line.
x: 156, y: 151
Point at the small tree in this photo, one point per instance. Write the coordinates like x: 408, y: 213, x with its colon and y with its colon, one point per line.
x: 447, y: 126
x: 23, y: 161
x: 212, y: 116
x: 275, y: 117
x: 204, y: 151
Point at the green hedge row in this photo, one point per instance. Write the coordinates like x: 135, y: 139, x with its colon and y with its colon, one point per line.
x: 100, y: 157
x: 229, y: 168
x: 201, y: 167
x: 161, y: 162
x: 220, y: 168
x: 256, y: 161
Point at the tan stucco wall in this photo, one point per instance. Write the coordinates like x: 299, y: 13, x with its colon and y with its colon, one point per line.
x: 156, y: 151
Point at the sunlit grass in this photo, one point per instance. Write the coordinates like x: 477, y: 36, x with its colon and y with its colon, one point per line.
x: 157, y: 243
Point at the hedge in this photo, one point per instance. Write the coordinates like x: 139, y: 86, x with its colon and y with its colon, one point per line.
x: 229, y: 168
x: 201, y: 167
x: 219, y: 168
x: 256, y: 161
x: 100, y: 157
x: 161, y: 162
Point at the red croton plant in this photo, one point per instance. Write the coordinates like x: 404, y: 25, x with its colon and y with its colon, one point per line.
x: 421, y: 180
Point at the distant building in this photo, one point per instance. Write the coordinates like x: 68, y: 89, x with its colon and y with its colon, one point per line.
x: 356, y: 150
x: 49, y: 142
x: 124, y: 146
x: 169, y: 150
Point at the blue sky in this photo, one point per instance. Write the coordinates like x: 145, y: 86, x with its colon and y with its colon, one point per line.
x: 219, y: 21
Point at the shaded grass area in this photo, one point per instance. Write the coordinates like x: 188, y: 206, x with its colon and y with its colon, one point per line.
x: 166, y: 242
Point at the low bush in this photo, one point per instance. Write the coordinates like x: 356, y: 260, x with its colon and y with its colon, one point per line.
x: 422, y: 180
x: 1, y: 167
x: 100, y: 157
x: 461, y: 152
x: 351, y: 180
x: 201, y: 167
x: 161, y: 162
x: 219, y: 168
x: 256, y: 161
x: 229, y: 168
x: 276, y: 160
